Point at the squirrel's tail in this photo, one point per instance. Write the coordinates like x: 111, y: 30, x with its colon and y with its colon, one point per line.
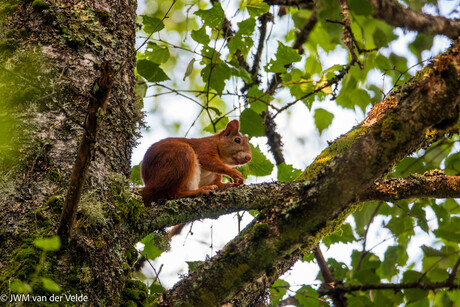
x: 175, y: 230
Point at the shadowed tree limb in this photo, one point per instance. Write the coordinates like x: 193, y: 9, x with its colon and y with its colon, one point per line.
x: 395, y: 14
x: 433, y: 184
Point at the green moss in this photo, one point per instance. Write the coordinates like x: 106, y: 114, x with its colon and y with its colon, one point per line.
x: 259, y: 230
x: 129, y: 205
x: 40, y: 4
x: 55, y: 203
x: 92, y: 211
x: 28, y: 265
x: 131, y: 255
x: 389, y: 127
x: 134, y: 293
x: 339, y: 146
x: 7, y: 46
x: 7, y: 9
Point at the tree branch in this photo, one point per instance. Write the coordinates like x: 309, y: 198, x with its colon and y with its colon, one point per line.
x: 329, y: 280
x: 270, y: 244
x: 414, y: 186
x: 433, y: 184
x: 390, y: 286
x: 301, y: 4
x: 395, y: 14
x: 96, y: 113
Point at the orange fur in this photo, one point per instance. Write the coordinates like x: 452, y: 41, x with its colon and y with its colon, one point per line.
x: 180, y: 167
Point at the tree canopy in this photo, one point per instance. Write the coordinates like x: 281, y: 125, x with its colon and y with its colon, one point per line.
x: 262, y: 61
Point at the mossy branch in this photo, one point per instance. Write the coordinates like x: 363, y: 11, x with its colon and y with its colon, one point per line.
x: 96, y: 113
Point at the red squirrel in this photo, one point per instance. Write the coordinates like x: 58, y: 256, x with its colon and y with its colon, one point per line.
x: 179, y: 167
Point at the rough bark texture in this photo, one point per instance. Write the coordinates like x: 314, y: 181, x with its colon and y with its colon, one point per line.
x: 335, y: 181
x: 66, y: 42
x: 395, y: 14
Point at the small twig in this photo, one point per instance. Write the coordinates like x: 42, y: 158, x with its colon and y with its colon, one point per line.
x: 347, y: 33
x: 453, y: 274
x: 390, y: 286
x: 436, y: 263
x: 331, y: 82
x: 364, y: 252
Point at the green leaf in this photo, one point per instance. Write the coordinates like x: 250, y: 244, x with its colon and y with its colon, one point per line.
x: 452, y: 164
x: 389, y: 263
x: 400, y: 224
x: 221, y: 124
x: 278, y: 290
x: 413, y: 295
x: 193, y: 265
x: 219, y: 73
x: 136, y: 175
x: 189, y: 69
x: 242, y: 73
x: 156, y: 54
x: 380, y: 38
x: 251, y: 123
x: 242, y: 39
x: 284, y: 56
x: 418, y: 212
x: 438, y: 275
x: 256, y: 7
x: 361, y: 7
x: 323, y: 119
x: 150, y: 250
x: 363, y: 215
x: 308, y: 297
x: 200, y: 36
x: 155, y: 288
x: 152, y: 24
x: 48, y: 244
x: 258, y: 166
x: 287, y: 172
x: 409, y: 165
x: 151, y: 71
x: 421, y: 42
x: 140, y: 88
x: 339, y: 269
x: 50, y: 285
x: 449, y: 231
x: 344, y: 234
x: 257, y: 99
x: 214, y: 17
x: 18, y: 286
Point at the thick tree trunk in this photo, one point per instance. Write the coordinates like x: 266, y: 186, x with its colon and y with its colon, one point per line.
x: 52, y: 54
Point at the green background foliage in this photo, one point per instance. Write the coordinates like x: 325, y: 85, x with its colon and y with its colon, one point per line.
x: 192, y: 58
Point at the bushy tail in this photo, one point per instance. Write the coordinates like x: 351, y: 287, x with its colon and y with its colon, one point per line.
x: 175, y: 230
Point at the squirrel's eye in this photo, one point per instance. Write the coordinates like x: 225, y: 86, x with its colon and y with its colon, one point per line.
x: 237, y: 140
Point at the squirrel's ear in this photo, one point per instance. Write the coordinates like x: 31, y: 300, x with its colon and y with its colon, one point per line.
x: 231, y: 127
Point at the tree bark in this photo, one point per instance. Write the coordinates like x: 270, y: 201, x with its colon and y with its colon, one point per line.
x: 64, y: 44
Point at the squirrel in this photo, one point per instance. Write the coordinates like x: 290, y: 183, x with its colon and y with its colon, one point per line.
x: 180, y: 167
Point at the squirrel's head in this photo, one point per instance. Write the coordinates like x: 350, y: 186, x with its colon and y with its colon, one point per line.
x: 234, y: 147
